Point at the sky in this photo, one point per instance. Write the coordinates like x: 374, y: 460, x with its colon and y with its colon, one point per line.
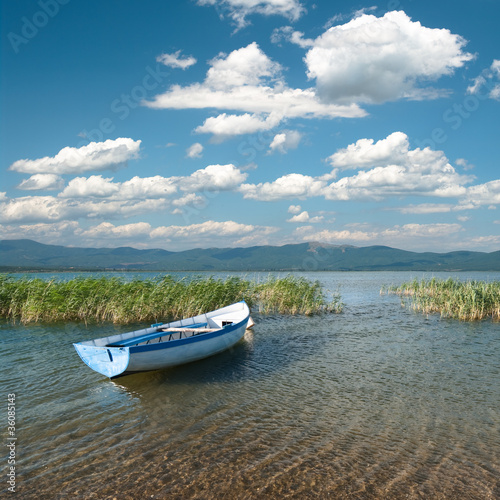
x: 234, y: 123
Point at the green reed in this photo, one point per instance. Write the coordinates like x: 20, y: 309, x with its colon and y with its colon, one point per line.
x: 466, y: 301
x: 99, y: 299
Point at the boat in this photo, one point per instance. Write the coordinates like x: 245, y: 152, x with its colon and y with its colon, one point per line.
x: 163, y: 345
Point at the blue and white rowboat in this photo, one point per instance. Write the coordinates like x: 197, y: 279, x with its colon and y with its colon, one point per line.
x: 167, y: 344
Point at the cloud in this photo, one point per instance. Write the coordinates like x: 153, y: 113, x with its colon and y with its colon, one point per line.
x: 213, y: 178
x: 284, y: 141
x: 387, y: 168
x: 175, y: 61
x: 289, y: 186
x: 395, y: 170
x: 190, y: 199
x: 30, y: 208
x: 105, y: 155
x: 225, y: 126
x: 304, y: 217
x: 48, y: 182
x: 426, y: 208
x: 294, y: 209
x: 374, y: 60
x: 53, y: 209
x: 488, y: 82
x: 411, y: 236
x: 368, y: 153
x: 137, y: 188
x: 248, y: 81
x: 108, y: 230
x: 194, y: 151
x: 97, y: 196
x: 140, y: 188
x: 208, y: 228
x: 206, y: 234
x: 462, y: 162
x: 245, y: 66
x: 287, y: 34
x: 286, y: 187
x: 142, y: 234
x: 425, y: 173
x: 55, y: 233
x: 95, y: 186
x: 239, y: 10
x: 213, y: 233
x: 482, y: 194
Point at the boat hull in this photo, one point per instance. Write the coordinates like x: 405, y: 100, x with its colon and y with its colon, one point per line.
x: 182, y: 351
x: 116, y: 360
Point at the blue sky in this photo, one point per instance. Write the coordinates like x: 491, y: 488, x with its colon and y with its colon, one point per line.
x: 224, y: 123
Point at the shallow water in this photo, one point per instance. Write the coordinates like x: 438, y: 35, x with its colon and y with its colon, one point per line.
x: 377, y: 402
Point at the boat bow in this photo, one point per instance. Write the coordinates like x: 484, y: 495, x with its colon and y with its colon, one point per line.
x: 110, y: 361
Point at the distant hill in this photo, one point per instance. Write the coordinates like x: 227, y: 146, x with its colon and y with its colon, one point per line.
x: 23, y: 255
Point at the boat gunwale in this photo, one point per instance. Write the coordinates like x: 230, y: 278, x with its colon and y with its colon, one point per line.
x: 167, y: 344
x: 104, y: 342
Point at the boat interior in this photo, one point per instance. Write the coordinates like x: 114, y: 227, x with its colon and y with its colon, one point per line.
x: 169, y: 333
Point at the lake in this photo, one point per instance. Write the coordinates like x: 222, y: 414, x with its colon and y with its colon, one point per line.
x: 376, y: 402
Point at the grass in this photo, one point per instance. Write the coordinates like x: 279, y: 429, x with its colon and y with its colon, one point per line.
x: 466, y: 301
x: 99, y: 299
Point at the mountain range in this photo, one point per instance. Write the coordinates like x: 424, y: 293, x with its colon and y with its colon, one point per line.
x: 29, y: 255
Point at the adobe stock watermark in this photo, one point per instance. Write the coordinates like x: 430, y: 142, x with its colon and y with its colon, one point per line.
x: 197, y: 206
x: 455, y: 115
x: 31, y: 26
x: 11, y: 443
x: 122, y: 106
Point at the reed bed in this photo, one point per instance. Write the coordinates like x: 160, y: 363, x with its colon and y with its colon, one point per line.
x: 100, y: 299
x: 465, y: 301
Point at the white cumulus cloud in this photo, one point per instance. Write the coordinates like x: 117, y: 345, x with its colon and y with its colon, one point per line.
x: 284, y: 141
x: 176, y: 61
x: 482, y: 194
x: 109, y: 154
x: 410, y: 236
x: 387, y: 168
x: 98, y: 196
x: 248, y: 81
x: 211, y: 233
x: 286, y: 187
x: 213, y: 178
x: 36, y: 182
x: 245, y: 66
x: 239, y: 10
x: 368, y: 153
x: 95, y: 185
x: 488, y: 82
x: 305, y: 217
x: 195, y: 150
x: 107, y: 230
x: 376, y: 59
x: 224, y: 126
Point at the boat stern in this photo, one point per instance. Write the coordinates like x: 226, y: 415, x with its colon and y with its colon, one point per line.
x: 109, y: 361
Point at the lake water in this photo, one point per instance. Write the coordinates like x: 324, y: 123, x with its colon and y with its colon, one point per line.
x: 376, y: 402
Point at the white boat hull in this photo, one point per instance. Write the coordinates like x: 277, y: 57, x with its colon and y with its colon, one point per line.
x: 157, y: 347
